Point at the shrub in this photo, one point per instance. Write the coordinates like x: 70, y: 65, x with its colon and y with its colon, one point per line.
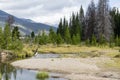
x: 42, y: 75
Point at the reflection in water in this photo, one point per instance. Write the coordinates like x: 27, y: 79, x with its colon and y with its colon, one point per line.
x: 8, y: 72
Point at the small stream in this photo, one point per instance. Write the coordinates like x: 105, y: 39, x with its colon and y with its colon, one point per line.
x: 50, y: 55
x: 8, y: 72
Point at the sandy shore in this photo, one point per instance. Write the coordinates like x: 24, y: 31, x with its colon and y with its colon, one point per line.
x: 73, y: 68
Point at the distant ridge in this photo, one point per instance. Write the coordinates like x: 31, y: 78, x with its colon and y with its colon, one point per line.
x: 26, y: 26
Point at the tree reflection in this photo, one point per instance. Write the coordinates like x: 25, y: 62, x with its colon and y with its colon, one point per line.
x: 6, y: 70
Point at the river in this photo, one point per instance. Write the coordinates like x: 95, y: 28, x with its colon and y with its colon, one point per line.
x: 8, y: 72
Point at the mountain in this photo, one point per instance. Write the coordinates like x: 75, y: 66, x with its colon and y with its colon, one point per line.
x: 26, y: 26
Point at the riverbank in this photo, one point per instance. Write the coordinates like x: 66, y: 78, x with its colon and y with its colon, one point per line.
x: 75, y: 49
x: 72, y: 68
x: 75, y: 62
x: 91, y: 51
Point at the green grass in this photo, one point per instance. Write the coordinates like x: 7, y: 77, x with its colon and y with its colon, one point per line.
x: 82, y: 51
x: 71, y: 49
x: 113, y: 54
x: 42, y: 75
x: 26, y: 52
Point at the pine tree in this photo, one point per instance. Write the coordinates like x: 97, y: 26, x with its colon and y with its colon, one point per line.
x: 65, y: 26
x: 72, y: 24
x: 78, y: 26
x: 82, y: 22
x: 10, y: 21
x: 115, y: 21
x: 117, y: 41
x: 43, y: 39
x: 15, y: 33
x: 16, y: 43
x: 1, y: 38
x: 60, y: 28
x: 90, y: 21
x: 67, y: 36
x: 59, y: 39
x: 76, y: 39
x: 7, y: 37
x: 52, y: 36
x: 32, y: 34
x: 104, y: 25
x: 36, y: 39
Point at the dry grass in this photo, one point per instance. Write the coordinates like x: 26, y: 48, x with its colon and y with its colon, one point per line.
x: 81, y: 51
x: 114, y: 63
x: 74, y: 49
x: 27, y: 51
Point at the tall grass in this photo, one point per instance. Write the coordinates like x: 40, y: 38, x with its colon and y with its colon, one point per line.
x: 73, y: 49
x: 42, y: 75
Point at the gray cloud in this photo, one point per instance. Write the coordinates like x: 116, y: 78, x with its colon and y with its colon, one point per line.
x: 46, y: 11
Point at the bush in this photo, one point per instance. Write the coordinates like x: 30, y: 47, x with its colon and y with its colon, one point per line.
x: 16, y: 45
x: 42, y: 75
x: 94, y: 41
x: 117, y: 41
x: 87, y: 42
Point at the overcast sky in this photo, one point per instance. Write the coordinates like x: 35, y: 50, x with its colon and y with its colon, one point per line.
x: 46, y: 11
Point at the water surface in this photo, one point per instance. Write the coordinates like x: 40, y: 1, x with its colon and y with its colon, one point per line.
x: 8, y: 72
x: 49, y: 55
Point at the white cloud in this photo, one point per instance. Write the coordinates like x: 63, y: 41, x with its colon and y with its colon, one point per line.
x: 54, y: 18
x: 45, y: 11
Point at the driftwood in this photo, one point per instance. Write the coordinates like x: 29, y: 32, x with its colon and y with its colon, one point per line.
x: 36, y: 51
x: 5, y: 55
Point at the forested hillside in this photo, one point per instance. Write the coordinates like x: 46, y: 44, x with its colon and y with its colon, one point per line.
x: 100, y: 25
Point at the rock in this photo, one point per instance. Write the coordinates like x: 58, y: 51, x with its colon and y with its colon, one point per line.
x: 55, y: 76
x: 5, y: 56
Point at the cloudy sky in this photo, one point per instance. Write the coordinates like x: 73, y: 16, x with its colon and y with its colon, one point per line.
x: 46, y: 11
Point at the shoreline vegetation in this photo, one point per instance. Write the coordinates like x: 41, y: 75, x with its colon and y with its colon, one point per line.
x: 90, y: 63
x: 76, y: 51
x: 83, y: 51
x: 83, y: 33
x: 29, y: 50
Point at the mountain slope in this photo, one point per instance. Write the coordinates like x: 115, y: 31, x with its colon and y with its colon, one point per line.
x: 26, y: 26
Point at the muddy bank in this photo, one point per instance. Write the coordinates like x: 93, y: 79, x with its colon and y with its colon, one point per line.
x: 67, y: 65
x: 72, y: 68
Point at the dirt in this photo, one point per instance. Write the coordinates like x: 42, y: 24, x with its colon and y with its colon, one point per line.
x: 73, y: 68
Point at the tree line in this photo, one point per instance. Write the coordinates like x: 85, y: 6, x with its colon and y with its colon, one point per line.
x: 99, y: 25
